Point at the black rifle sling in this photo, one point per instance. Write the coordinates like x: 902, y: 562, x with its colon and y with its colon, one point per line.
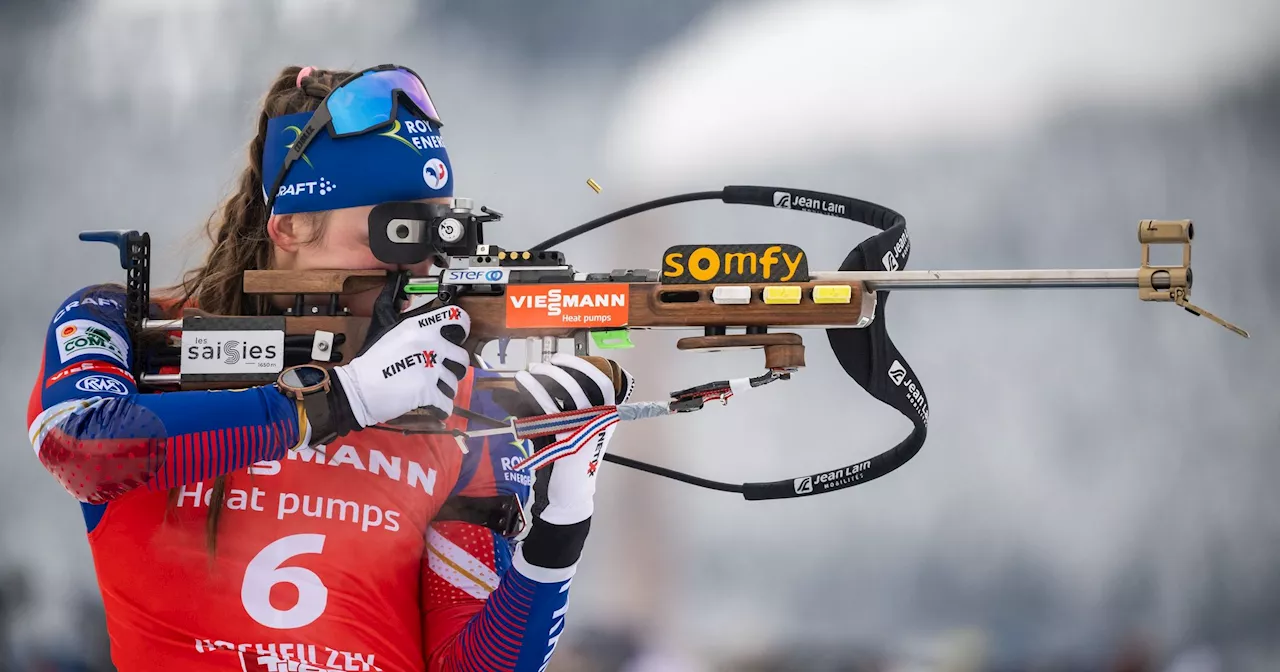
x: 868, y: 355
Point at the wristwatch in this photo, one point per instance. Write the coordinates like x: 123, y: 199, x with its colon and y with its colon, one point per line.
x: 309, y: 384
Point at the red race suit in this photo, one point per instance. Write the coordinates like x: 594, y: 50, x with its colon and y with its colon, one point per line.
x: 327, y: 557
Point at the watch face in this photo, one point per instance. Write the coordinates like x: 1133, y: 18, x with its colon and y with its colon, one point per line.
x: 290, y: 379
x: 310, y: 375
x: 303, y: 377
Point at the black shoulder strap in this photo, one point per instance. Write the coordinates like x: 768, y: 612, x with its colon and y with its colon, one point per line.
x: 499, y: 513
x: 868, y: 355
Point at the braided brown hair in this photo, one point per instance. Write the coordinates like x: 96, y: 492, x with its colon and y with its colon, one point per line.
x: 238, y: 227
x: 238, y: 231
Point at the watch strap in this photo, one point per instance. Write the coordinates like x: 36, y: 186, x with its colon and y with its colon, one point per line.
x: 313, y: 389
x: 319, y: 417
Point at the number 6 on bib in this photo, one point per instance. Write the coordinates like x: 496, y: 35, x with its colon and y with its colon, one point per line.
x: 264, y: 571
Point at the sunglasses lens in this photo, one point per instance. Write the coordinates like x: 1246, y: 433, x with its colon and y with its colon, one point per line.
x: 367, y: 101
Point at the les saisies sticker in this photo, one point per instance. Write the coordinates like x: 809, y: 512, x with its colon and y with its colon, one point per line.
x: 575, y: 305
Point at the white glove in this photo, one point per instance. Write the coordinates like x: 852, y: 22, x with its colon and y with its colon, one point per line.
x: 415, y: 364
x: 564, y: 492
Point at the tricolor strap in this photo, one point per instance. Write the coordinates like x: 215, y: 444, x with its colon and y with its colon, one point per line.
x: 570, y: 444
x: 557, y: 423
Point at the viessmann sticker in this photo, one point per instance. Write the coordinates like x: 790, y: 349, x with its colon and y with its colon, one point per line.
x: 586, y: 305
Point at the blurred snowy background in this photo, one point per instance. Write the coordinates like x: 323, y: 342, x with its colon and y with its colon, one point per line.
x: 1098, y: 487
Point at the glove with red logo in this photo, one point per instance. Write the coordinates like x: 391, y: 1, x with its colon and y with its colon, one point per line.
x: 564, y: 490
x: 417, y: 363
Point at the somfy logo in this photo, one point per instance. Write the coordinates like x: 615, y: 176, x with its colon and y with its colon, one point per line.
x: 804, y: 485
x: 897, y: 372
x: 781, y: 199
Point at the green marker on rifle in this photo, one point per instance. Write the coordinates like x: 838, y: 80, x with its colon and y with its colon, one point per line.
x: 422, y: 288
x: 615, y: 339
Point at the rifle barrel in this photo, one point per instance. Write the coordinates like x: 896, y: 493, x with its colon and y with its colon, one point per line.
x: 991, y: 279
x: 1049, y: 278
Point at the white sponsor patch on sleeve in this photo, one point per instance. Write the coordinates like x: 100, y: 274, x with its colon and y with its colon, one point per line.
x: 77, y: 338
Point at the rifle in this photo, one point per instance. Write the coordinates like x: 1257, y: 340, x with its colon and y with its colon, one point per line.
x: 736, y: 295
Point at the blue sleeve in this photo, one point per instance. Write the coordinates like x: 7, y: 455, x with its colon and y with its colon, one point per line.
x: 485, y: 607
x: 472, y: 624
x: 100, y: 437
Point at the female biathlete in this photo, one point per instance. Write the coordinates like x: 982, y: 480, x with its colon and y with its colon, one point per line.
x: 268, y: 529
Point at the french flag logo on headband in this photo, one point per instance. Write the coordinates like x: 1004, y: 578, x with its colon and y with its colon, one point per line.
x: 435, y: 174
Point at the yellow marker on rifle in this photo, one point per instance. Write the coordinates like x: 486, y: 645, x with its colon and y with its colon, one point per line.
x: 776, y: 294
x: 592, y: 183
x: 832, y: 294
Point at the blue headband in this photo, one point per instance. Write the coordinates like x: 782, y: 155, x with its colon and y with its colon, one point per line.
x: 404, y: 162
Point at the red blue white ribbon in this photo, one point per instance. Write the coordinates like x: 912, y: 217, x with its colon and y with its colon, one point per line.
x: 604, y: 418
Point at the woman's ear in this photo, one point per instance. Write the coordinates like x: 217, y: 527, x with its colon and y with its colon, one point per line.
x: 288, y: 232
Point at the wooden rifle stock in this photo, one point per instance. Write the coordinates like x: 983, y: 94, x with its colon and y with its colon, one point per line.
x: 317, y: 298
x: 650, y: 305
